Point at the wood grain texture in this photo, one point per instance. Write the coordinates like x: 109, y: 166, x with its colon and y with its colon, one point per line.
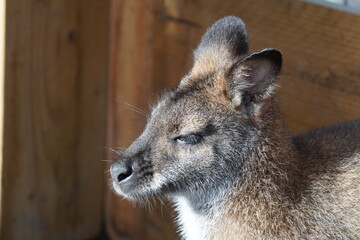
x: 151, y: 50
x: 56, y: 72
x: 2, y: 75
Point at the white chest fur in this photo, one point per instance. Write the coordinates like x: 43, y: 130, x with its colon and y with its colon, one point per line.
x: 192, y: 226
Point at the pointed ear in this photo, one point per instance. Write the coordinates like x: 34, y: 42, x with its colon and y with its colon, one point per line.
x: 254, y: 78
x: 224, y: 43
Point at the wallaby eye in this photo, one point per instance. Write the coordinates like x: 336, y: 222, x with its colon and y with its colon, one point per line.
x: 188, y: 139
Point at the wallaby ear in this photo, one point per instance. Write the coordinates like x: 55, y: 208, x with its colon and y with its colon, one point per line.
x: 223, y: 43
x: 254, y: 78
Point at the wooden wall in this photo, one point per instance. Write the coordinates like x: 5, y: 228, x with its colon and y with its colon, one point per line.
x: 2, y: 63
x: 55, y: 110
x: 151, y: 49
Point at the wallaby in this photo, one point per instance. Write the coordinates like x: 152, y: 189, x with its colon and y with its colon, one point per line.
x: 217, y: 146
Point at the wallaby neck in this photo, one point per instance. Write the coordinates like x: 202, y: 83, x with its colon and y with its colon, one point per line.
x: 264, y: 190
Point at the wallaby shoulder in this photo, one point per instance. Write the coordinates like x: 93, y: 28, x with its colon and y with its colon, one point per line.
x: 330, y: 169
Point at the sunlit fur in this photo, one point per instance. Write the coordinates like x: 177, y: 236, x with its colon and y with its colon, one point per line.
x: 246, y: 178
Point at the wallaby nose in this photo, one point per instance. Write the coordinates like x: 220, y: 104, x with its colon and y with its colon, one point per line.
x: 121, y: 170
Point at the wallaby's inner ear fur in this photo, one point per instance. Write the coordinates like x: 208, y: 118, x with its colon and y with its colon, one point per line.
x: 254, y: 78
x: 222, y: 44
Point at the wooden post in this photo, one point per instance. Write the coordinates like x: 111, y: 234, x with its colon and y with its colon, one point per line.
x: 2, y: 63
x: 55, y: 94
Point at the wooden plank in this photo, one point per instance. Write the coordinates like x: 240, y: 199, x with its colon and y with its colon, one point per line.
x: 93, y: 55
x: 320, y: 80
x: 56, y: 65
x: 2, y: 63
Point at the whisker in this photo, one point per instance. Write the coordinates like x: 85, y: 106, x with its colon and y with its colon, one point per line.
x: 114, y: 151
x: 151, y: 104
x: 121, y: 148
x: 133, y: 108
x: 106, y: 160
x: 136, y: 108
x: 161, y: 211
x: 118, y: 143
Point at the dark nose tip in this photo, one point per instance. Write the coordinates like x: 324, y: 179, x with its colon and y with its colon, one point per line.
x: 121, y: 170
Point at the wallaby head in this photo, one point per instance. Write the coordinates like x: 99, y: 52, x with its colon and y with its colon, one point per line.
x: 200, y: 135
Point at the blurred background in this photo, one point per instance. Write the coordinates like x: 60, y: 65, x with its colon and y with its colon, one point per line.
x: 77, y: 75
